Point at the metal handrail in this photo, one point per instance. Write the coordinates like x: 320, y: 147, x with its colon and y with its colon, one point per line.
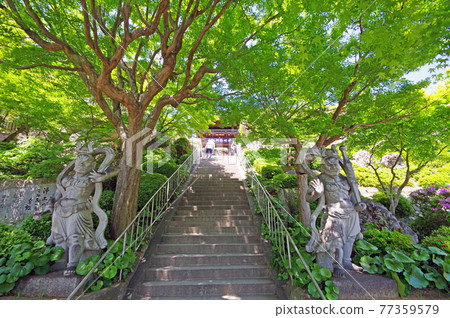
x: 273, y: 219
x: 140, y: 227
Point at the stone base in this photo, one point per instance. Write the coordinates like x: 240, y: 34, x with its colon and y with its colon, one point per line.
x: 366, y: 286
x: 54, y: 284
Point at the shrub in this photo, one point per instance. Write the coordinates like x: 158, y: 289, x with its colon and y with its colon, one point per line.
x: 404, y: 208
x: 38, y: 228
x: 6, y: 146
x: 251, y: 155
x: 259, y: 163
x: 439, y: 238
x: 106, y: 200
x: 388, y: 240
x: 268, y: 172
x: 285, y: 181
x: 166, y: 169
x: 150, y: 183
x: 183, y: 158
x: 270, y: 154
x: 434, y: 204
x: 36, y: 158
x: 181, y: 146
x: 366, y: 176
x: 436, y: 173
x: 425, y: 224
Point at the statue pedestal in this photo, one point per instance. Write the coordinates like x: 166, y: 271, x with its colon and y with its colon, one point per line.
x: 366, y: 286
x: 53, y: 284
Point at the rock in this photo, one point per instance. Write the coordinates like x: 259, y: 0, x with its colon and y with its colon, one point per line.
x: 378, y: 214
x: 390, y: 160
x: 289, y: 198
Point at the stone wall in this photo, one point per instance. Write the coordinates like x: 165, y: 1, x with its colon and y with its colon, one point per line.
x: 20, y: 198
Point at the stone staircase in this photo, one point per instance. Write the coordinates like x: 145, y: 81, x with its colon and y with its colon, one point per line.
x: 211, y: 247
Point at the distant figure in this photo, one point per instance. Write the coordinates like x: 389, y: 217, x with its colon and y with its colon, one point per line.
x: 233, y: 149
x: 210, y: 145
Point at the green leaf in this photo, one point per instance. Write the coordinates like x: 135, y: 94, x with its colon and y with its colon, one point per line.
x: 367, y: 263
x: 400, y: 285
x: 6, y: 287
x: 109, y: 272
x: 436, y: 250
x: 365, y: 246
x: 421, y: 255
x: 40, y: 261
x: 401, y: 257
x: 97, y: 286
x: 57, y: 253
x: 2, y: 278
x: 11, y: 278
x: 416, y: 277
x: 2, y: 261
x: 393, y: 265
x: 437, y: 279
x: 446, y: 274
x: 437, y: 260
x: 42, y: 270
x: 39, y: 245
x: 332, y: 292
x: 321, y: 274
x: 84, y: 267
x: 312, y: 290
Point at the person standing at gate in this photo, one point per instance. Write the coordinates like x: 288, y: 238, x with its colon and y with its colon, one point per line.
x: 210, y: 145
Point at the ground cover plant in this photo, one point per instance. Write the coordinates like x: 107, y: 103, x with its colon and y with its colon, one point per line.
x: 21, y: 254
x: 411, y: 266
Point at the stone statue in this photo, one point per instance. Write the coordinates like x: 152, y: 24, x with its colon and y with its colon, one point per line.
x: 339, y: 197
x: 73, y: 204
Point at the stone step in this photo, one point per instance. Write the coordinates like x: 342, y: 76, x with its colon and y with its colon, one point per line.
x: 205, y: 287
x: 210, y: 212
x: 209, y: 248
x: 203, y: 223
x: 220, y: 297
x: 210, y: 218
x: 216, y: 193
x: 200, y: 230
x: 213, y: 179
x: 211, y: 259
x: 216, y: 196
x: 222, y: 207
x: 210, y: 239
x: 170, y: 273
x: 219, y: 185
x: 212, y: 202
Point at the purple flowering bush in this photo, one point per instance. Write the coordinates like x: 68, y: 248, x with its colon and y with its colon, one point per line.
x: 434, y: 204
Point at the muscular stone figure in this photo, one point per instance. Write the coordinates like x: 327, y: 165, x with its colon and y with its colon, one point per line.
x: 72, y: 206
x: 340, y: 221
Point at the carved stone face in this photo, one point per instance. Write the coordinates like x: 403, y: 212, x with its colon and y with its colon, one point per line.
x: 330, y: 166
x: 84, y: 163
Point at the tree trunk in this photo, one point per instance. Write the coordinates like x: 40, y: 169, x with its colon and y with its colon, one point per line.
x: 302, y: 188
x: 126, y: 196
x: 13, y: 135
